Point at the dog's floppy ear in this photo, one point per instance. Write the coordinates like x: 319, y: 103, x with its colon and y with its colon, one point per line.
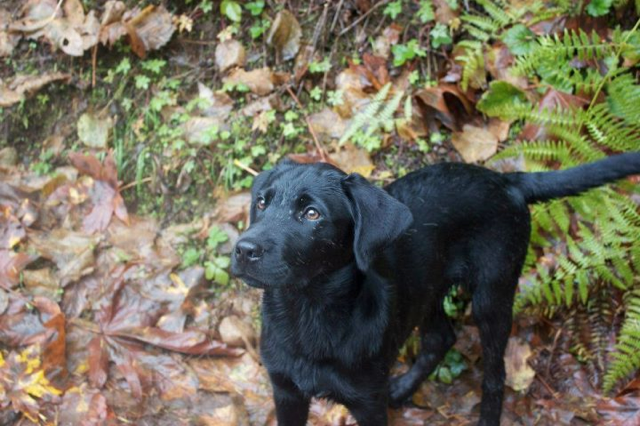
x: 379, y: 218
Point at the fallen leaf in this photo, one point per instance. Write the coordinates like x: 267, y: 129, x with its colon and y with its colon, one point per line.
x: 218, y: 104
x: 8, y: 40
x: 475, y: 143
x: 233, y: 208
x: 25, y: 85
x: 327, y: 124
x: 93, y: 130
x: 72, y: 252
x: 445, y: 103
x: 260, y: 81
x: 11, y: 264
x: 150, y: 29
x: 519, y: 374
x: 229, y: 54
x: 235, y: 332
x: 353, y: 160
x: 285, y: 34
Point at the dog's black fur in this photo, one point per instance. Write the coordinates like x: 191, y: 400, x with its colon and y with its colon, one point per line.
x: 343, y: 289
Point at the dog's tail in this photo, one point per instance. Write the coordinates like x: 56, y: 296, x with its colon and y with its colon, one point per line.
x: 543, y: 186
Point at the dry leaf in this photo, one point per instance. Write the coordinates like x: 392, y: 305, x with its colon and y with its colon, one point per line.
x: 150, y: 29
x: 327, y: 124
x: 93, y: 131
x: 475, y: 143
x: 230, y: 54
x: 519, y: 374
x: 260, y: 81
x: 445, y: 103
x: 285, y: 35
x: 8, y: 40
x: 21, y: 86
x: 353, y: 160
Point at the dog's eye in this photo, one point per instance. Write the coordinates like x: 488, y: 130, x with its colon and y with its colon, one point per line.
x: 311, y: 214
x: 261, y: 204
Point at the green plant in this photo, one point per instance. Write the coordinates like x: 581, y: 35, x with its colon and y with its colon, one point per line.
x: 597, y: 254
x: 403, y: 53
x: 376, y: 116
x: 451, y: 367
x: 231, y: 9
x: 393, y: 9
x: 440, y: 35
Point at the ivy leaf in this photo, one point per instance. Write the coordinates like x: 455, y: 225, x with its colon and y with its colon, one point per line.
x: 231, y: 10
x: 393, y: 9
x: 519, y: 39
x: 403, y: 53
x: 444, y: 375
x: 425, y: 13
x: 440, y: 36
x: 255, y: 7
x: 500, y: 96
x: 599, y: 7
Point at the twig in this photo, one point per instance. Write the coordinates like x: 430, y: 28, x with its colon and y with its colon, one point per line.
x: 321, y: 151
x: 335, y: 17
x: 94, y: 60
x: 360, y: 19
x: 245, y: 168
x: 134, y: 183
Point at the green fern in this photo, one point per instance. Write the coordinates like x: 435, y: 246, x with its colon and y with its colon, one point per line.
x: 584, y: 246
x: 376, y: 116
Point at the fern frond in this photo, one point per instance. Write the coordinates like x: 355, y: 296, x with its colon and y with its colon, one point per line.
x: 626, y: 358
x: 558, y: 49
x: 367, y: 115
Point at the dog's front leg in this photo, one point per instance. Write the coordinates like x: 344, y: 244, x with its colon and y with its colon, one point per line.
x: 292, y: 407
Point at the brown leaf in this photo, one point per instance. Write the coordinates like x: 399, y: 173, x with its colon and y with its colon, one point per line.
x: 623, y: 411
x: 327, y: 124
x: 260, y: 81
x: 353, y: 160
x: 550, y: 101
x: 445, y: 103
x: 98, y: 362
x: 519, y: 374
x: 26, y: 85
x: 475, y: 143
x: 234, y: 208
x: 150, y: 29
x: 285, y: 34
x: 8, y: 40
x: 72, y: 252
x: 444, y: 13
x: 11, y: 264
x: 235, y: 332
x: 229, y: 54
x: 188, y: 342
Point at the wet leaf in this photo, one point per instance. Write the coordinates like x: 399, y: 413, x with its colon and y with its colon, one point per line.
x: 94, y: 131
x: 20, y: 87
x: 11, y: 264
x: 285, y: 34
x: 150, y: 29
x: 353, y: 160
x: 446, y: 104
x: 475, y: 143
x: 519, y: 374
x: 259, y: 81
x: 229, y: 54
x: 500, y: 95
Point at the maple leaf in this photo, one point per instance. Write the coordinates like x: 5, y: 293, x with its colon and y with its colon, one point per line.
x: 105, y: 194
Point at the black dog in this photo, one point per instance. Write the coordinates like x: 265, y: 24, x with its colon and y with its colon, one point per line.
x: 348, y: 270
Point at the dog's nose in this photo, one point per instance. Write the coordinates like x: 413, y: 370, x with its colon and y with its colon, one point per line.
x: 248, y: 251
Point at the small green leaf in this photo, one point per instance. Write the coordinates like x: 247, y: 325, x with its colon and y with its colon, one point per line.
x: 231, y: 10
x: 255, y: 7
x: 599, y: 7
x: 425, y: 13
x: 519, y: 39
x: 444, y: 375
x: 393, y: 9
x: 440, y: 36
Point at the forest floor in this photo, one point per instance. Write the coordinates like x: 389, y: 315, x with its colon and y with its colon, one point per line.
x: 130, y: 133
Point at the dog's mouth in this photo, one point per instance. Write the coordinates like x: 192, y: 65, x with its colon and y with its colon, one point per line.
x: 252, y: 282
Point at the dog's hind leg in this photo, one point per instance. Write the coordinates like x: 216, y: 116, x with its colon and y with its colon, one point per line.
x: 493, y: 318
x: 437, y: 337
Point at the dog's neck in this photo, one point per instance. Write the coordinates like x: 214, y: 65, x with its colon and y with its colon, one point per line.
x: 346, y: 305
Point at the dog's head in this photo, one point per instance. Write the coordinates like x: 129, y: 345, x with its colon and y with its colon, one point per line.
x: 309, y: 220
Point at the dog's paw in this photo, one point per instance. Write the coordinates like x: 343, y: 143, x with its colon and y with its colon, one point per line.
x: 400, y: 389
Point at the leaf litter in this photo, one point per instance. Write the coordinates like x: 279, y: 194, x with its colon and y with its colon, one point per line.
x: 99, y: 320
